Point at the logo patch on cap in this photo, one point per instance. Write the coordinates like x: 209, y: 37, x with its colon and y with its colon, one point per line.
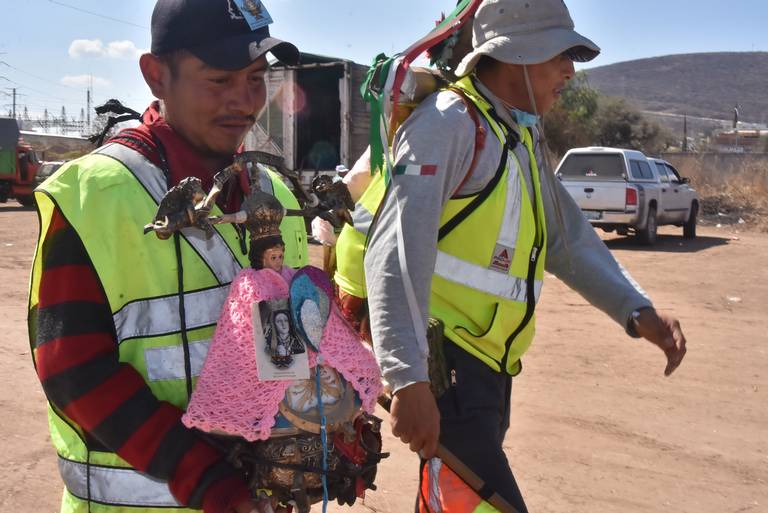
x: 252, y: 11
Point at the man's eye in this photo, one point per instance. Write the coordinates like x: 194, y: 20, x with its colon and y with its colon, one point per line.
x: 219, y: 80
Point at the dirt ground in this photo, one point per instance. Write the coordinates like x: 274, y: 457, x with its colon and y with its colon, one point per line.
x: 595, y: 425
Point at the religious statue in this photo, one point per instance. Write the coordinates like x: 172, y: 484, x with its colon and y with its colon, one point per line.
x: 287, y: 389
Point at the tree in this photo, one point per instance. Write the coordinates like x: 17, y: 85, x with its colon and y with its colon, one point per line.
x: 584, y: 117
x: 99, y: 126
x: 620, y: 125
x: 571, y: 123
x: 580, y: 99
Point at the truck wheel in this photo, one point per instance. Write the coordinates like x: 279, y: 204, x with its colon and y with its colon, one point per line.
x: 26, y: 201
x: 647, y: 236
x: 689, y: 228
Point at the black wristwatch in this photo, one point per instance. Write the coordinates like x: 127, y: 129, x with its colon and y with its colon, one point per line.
x: 632, y: 321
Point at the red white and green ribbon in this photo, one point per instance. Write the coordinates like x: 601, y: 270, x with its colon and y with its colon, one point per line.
x: 385, y: 79
x: 382, y: 91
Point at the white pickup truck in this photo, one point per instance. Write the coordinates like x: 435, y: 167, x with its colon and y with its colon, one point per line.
x: 623, y: 190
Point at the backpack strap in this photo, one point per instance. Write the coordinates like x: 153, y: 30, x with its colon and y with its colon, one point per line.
x: 480, y: 135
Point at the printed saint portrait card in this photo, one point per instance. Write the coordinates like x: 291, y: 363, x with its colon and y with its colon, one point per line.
x: 280, y: 353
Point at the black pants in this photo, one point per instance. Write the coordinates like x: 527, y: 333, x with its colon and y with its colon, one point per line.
x: 474, y: 419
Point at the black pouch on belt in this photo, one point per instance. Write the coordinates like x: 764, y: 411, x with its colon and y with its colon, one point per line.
x: 438, y: 372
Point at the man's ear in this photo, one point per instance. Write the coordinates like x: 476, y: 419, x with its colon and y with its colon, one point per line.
x: 157, y: 75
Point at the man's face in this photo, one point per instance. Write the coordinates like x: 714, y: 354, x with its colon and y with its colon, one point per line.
x: 211, y: 108
x: 548, y: 81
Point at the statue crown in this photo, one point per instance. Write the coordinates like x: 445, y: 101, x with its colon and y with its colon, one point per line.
x: 264, y: 215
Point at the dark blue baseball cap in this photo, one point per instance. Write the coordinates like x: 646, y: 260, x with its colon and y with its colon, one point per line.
x: 221, y: 33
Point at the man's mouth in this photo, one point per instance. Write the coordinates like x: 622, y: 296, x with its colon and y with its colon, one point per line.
x: 236, y: 124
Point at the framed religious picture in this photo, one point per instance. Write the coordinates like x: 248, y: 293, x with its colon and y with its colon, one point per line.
x: 280, y: 353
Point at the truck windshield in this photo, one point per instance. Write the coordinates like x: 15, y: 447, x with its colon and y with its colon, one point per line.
x: 592, y: 167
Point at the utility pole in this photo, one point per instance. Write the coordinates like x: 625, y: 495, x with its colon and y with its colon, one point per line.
x: 88, y: 111
x: 14, y: 103
x: 685, y: 134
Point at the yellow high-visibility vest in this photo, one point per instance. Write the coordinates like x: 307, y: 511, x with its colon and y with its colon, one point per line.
x: 107, y: 197
x: 490, y: 260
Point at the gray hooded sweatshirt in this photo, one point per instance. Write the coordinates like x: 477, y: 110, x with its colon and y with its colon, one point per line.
x: 441, y: 134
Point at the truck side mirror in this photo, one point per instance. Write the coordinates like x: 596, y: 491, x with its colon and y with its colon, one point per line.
x: 685, y: 179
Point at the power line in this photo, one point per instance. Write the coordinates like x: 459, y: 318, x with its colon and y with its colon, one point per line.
x: 35, y: 97
x: 98, y: 15
x: 45, y: 94
x: 41, y: 106
x: 36, y: 76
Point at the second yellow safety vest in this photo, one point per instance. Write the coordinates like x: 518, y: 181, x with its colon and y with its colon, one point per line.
x: 491, y: 253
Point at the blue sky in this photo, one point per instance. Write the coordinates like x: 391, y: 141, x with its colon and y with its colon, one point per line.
x: 52, y: 47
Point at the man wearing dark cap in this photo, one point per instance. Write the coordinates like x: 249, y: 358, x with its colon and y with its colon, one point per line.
x: 463, y: 233
x: 120, y: 322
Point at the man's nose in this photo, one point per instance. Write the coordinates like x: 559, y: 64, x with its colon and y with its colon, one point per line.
x: 568, y: 69
x: 243, y: 98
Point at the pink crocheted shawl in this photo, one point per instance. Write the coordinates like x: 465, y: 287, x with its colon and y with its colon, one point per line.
x: 230, y: 398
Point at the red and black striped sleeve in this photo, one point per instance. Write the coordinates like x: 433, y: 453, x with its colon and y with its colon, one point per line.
x: 76, y: 356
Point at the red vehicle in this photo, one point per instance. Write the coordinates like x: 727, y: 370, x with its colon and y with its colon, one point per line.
x: 18, y: 165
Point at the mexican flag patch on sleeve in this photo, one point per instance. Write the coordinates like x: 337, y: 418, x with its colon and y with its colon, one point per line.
x: 415, y: 170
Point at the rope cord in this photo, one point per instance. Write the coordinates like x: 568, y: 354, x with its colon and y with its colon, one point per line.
x: 323, y: 436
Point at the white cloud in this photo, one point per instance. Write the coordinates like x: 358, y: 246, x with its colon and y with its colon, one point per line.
x: 84, y: 81
x: 96, y: 48
x: 124, y: 50
x: 86, y: 48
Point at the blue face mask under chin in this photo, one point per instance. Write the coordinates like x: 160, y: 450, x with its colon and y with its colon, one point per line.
x: 525, y: 119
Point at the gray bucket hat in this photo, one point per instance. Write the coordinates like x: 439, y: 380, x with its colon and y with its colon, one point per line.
x: 525, y: 32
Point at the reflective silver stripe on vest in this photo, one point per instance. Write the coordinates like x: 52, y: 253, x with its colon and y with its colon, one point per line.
x: 508, y: 287
x: 160, y: 316
x: 215, y: 251
x: 362, y: 219
x: 116, y: 486
x: 510, y: 225
x: 167, y: 363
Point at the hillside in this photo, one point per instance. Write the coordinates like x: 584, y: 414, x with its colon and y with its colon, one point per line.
x: 707, y: 85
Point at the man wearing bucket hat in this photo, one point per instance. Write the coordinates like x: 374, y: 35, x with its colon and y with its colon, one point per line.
x: 470, y: 172
x: 120, y: 322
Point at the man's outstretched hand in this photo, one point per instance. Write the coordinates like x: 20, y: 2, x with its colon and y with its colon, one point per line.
x: 415, y: 419
x: 664, y: 331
